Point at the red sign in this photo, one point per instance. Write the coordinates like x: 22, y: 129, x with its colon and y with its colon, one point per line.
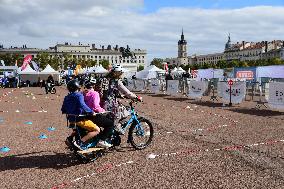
x: 245, y: 74
x: 27, y: 60
x: 230, y: 82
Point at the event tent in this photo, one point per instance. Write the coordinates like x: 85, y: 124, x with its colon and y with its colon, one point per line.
x: 28, y: 74
x: 48, y: 70
x: 99, y: 70
x: 149, y: 72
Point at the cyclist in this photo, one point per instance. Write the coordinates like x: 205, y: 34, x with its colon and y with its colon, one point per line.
x: 92, y: 99
x: 74, y: 104
x: 111, y: 100
x: 48, y: 84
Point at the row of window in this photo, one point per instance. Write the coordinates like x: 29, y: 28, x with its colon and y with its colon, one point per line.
x: 211, y: 58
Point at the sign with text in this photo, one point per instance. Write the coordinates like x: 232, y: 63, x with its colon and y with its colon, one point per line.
x: 155, y: 86
x: 197, y: 88
x: 172, y: 87
x: 276, y: 95
x: 238, y: 91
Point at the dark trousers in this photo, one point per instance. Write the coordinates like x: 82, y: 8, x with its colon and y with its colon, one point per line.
x: 105, y: 122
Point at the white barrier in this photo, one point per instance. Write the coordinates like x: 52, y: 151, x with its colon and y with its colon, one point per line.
x: 155, y: 86
x: 276, y: 95
x: 172, y: 87
x: 197, y: 88
x: 238, y: 91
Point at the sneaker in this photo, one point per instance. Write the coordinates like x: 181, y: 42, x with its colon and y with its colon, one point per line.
x: 80, y: 145
x: 104, y: 144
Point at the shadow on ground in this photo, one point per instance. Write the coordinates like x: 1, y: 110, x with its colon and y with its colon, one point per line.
x: 38, y: 161
x: 257, y: 112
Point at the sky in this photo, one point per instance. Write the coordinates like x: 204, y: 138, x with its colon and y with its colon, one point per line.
x: 154, y: 25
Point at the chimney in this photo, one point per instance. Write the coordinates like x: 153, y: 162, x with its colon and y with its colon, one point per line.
x: 282, y: 43
x: 93, y: 46
x: 266, y: 46
x: 109, y: 47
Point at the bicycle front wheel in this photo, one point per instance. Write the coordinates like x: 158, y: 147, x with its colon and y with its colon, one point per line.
x: 141, y: 134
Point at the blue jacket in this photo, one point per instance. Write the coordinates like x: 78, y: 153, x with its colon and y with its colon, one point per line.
x: 74, y: 104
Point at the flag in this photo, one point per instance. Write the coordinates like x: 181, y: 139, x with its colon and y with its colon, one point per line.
x: 78, y: 69
x: 2, y: 62
x: 36, y: 68
x: 27, y: 60
x: 166, y: 68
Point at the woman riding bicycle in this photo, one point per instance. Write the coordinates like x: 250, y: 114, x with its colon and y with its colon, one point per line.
x: 116, y: 87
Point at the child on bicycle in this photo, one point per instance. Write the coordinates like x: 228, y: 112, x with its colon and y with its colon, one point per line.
x: 74, y: 105
x: 92, y: 99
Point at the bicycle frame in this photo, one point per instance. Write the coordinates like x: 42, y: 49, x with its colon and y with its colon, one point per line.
x: 133, y: 118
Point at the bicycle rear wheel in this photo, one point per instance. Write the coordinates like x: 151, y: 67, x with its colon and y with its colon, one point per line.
x: 141, y: 135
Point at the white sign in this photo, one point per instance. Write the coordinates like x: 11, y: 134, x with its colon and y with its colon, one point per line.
x: 276, y: 95
x: 130, y: 84
x: 197, y: 88
x: 139, y: 85
x: 155, y: 86
x: 238, y: 91
x: 172, y: 87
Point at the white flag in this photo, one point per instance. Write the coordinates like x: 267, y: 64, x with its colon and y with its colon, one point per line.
x: 36, y: 68
x: 2, y: 62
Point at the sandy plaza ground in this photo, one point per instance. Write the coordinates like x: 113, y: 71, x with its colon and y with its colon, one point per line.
x: 197, y: 144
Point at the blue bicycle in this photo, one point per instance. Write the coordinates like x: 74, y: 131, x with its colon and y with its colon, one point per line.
x: 140, y: 136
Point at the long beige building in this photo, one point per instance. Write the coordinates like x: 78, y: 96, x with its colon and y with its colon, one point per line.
x: 80, y: 51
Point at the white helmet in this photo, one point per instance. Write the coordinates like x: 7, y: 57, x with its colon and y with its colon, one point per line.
x: 117, y: 68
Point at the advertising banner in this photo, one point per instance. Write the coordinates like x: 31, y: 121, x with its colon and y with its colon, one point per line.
x: 197, y: 88
x: 248, y: 73
x: 238, y: 91
x: 276, y: 95
x: 27, y: 60
x: 155, y: 86
x: 172, y: 87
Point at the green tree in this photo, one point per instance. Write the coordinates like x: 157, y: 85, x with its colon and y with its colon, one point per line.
x: 221, y: 64
x: 105, y: 63
x: 158, y: 62
x: 42, y: 59
x: 140, y: 68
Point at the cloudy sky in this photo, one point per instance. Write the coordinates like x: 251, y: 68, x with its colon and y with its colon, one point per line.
x: 154, y: 25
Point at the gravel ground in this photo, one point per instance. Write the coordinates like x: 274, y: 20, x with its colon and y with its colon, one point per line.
x: 197, y: 144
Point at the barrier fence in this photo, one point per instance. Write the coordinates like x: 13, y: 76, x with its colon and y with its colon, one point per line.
x: 270, y: 92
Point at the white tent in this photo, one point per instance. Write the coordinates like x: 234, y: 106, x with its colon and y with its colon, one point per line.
x: 100, y: 70
x: 28, y: 70
x: 178, y: 70
x: 149, y: 72
x: 49, y: 70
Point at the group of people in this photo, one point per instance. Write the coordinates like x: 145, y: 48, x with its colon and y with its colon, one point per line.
x: 93, y: 101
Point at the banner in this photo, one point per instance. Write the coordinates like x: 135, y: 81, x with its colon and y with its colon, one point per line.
x: 155, y: 86
x: 36, y: 68
x: 27, y: 60
x: 238, y: 91
x: 172, y: 87
x: 139, y: 85
x: 276, y: 95
x: 197, y: 88
x: 245, y: 73
x: 276, y: 71
x: 2, y: 62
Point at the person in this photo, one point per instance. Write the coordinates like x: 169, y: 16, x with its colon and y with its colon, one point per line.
x: 48, y: 83
x: 74, y: 104
x: 92, y: 99
x: 111, y: 102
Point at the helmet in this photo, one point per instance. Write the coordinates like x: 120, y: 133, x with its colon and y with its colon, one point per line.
x: 117, y: 68
x: 90, y: 83
x: 73, y: 85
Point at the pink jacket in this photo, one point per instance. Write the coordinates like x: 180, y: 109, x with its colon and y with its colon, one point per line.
x: 92, y: 99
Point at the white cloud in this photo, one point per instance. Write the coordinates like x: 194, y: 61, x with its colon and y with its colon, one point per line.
x: 41, y: 23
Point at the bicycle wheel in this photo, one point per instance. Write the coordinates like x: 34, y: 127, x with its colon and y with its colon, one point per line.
x: 141, y: 135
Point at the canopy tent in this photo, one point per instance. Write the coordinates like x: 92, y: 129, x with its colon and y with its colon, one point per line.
x: 149, y: 72
x: 210, y: 74
x: 49, y: 70
x: 28, y: 70
x: 99, y: 70
x: 178, y: 70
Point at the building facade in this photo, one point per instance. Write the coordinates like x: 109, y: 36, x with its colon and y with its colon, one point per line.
x: 85, y: 52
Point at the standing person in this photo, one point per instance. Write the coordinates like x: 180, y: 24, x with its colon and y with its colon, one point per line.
x: 48, y: 83
x: 111, y: 101
x: 74, y: 104
x: 92, y: 99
